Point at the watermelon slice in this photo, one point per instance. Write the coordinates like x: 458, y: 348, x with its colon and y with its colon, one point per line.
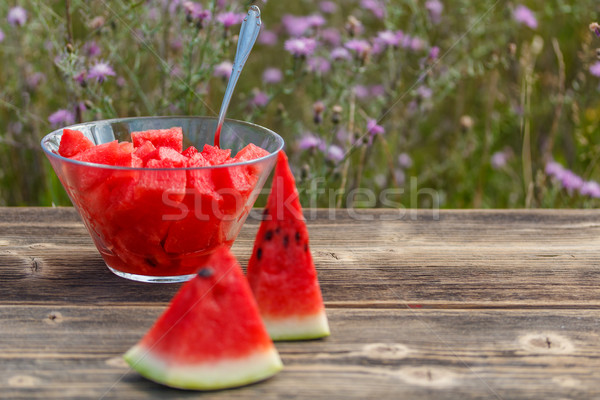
x: 73, y: 142
x: 281, y: 271
x: 211, y: 336
x: 172, y: 137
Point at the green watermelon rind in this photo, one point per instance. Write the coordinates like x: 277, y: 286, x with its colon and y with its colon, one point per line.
x: 295, y: 327
x: 221, y: 374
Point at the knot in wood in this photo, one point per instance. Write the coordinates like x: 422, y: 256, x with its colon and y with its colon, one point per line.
x: 385, y: 351
x: 53, y: 318
x: 545, y: 343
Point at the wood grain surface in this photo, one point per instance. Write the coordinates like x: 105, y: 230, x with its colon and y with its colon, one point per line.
x: 461, y: 305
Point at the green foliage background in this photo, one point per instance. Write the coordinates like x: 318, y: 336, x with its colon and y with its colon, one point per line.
x: 497, y: 86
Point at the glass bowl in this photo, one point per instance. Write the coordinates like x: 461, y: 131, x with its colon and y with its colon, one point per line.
x: 160, y: 224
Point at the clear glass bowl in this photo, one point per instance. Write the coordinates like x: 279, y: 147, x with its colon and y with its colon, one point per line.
x: 160, y: 224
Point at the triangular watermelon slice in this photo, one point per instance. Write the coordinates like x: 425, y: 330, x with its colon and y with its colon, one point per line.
x: 211, y: 336
x: 281, y: 271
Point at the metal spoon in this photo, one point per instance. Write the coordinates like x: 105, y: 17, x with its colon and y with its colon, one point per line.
x: 248, y: 34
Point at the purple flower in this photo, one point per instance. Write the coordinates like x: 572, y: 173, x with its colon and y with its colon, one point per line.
x: 223, y: 70
x: 416, y: 44
x: 230, y: 18
x: 361, y: 91
x: 260, y: 99
x: 340, y: 53
x: 590, y: 188
x: 571, y: 181
x: 335, y: 153
x: 595, y: 69
x: 377, y: 90
x: 91, y: 49
x: 35, y: 79
x: 388, y: 38
x: 554, y: 169
x: 318, y: 64
x: 61, y: 117
x: 100, y: 71
x: 424, y: 92
x: 1, y: 36
x: 499, y: 159
x: 300, y: 46
x: 331, y: 36
x: 272, y: 75
x: 310, y: 141
x: 525, y: 16
x: 360, y: 46
x: 404, y: 160
x: 328, y: 7
x: 315, y: 20
x: 121, y: 82
x: 374, y: 129
x: 81, y: 77
x: 295, y: 25
x: 268, y: 38
x: 435, y: 8
x: 375, y: 6
x: 434, y: 52
x: 17, y: 16
x: 195, y: 11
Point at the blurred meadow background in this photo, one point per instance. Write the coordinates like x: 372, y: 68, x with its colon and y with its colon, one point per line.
x: 486, y: 104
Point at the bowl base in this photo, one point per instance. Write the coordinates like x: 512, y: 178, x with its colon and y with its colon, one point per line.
x: 152, y: 279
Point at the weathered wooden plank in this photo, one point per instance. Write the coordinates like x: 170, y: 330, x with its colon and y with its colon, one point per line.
x: 446, y: 354
x: 477, y: 258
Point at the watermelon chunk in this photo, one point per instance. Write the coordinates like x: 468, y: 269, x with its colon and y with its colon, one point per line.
x: 172, y: 137
x: 215, y: 155
x: 211, y: 336
x: 73, y: 142
x: 250, y: 152
x: 281, y: 271
x: 146, y: 152
x: 190, y: 151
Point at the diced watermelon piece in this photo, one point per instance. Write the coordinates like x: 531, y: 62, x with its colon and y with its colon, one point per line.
x: 211, y: 336
x: 168, y: 158
x: 215, y: 155
x: 111, y: 153
x: 73, y: 142
x: 146, y: 152
x: 190, y: 151
x: 172, y: 137
x: 281, y: 271
x: 250, y: 152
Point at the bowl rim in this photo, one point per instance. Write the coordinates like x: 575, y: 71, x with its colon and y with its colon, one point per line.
x: 59, y: 131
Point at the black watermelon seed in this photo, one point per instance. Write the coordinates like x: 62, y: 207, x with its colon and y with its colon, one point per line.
x: 305, y: 246
x: 151, y: 262
x: 206, y: 272
x: 269, y: 235
x: 277, y: 230
x: 258, y: 253
x: 297, y: 237
x: 286, y: 241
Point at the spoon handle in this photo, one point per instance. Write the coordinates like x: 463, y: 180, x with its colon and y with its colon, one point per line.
x: 248, y: 34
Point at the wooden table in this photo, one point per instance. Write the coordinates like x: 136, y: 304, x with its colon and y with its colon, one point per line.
x: 473, y: 304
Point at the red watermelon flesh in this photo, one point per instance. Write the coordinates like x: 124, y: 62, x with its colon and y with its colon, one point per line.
x: 211, y: 336
x: 215, y: 155
x: 73, y: 142
x: 172, y: 137
x: 111, y: 153
x: 281, y: 271
x: 190, y: 151
x: 146, y: 152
